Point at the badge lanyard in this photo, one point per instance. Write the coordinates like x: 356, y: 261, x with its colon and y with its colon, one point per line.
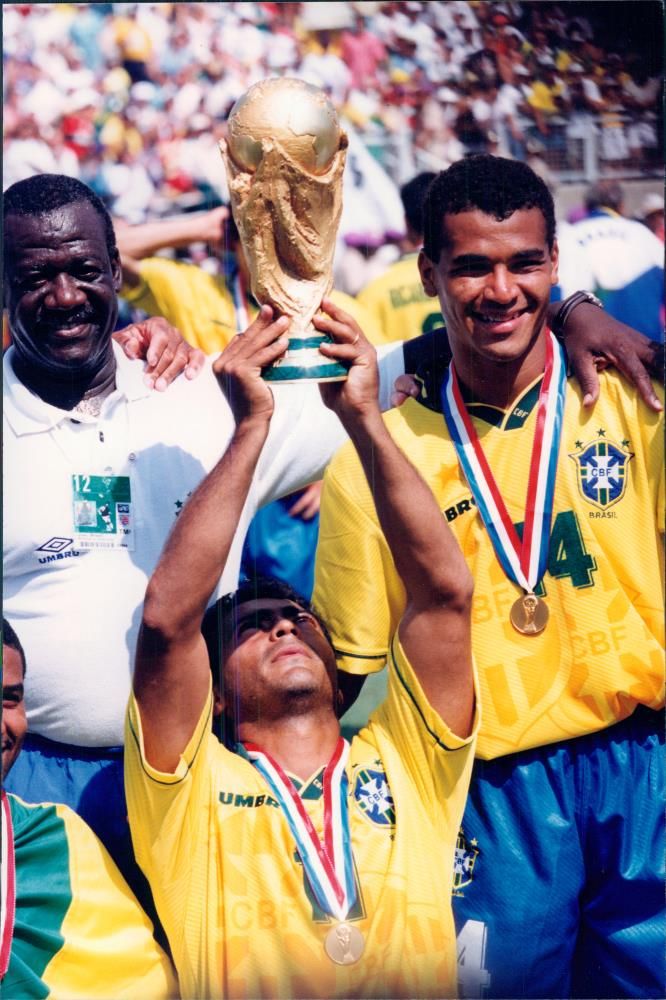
x: 523, y: 560
x: 7, y: 885
x: 102, y: 507
x: 328, y: 865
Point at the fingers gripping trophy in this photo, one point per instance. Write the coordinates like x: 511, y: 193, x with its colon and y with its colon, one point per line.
x: 284, y: 155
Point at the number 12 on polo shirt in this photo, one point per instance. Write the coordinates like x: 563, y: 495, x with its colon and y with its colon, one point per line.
x: 102, y: 512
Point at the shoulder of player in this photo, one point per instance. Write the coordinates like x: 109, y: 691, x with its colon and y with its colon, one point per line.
x: 158, y: 270
x: 618, y: 392
x: 405, y: 269
x: 413, y: 419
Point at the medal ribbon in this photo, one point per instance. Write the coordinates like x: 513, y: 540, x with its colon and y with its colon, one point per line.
x: 7, y: 885
x: 328, y: 866
x: 524, y: 561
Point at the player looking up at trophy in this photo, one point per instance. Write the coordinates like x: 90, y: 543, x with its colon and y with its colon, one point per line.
x: 294, y: 865
x: 557, y: 508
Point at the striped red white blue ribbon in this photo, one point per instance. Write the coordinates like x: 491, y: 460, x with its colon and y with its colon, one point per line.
x: 7, y: 885
x: 328, y: 865
x: 525, y: 559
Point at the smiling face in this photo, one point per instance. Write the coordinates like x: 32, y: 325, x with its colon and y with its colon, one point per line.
x: 14, y: 723
x: 279, y: 656
x: 60, y: 292
x: 493, y: 281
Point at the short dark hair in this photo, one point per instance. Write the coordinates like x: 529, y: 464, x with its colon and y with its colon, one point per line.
x: 604, y: 194
x: 46, y: 192
x: 217, y: 626
x: 412, y: 195
x: 10, y: 638
x: 493, y: 184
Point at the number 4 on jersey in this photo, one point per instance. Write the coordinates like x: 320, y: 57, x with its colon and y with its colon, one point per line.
x: 567, y: 555
x: 473, y: 978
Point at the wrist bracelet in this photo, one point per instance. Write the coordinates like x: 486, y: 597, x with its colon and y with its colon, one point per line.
x: 567, y: 307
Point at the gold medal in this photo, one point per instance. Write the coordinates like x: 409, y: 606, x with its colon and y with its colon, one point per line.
x: 344, y: 944
x: 529, y: 615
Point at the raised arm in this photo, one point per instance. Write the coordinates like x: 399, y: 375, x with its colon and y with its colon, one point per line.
x: 435, y: 628
x: 171, y: 675
x: 137, y: 242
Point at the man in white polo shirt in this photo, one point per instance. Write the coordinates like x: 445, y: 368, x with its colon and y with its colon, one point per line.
x: 88, y: 447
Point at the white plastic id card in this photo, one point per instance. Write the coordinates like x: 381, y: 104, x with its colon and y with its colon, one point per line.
x: 102, y: 512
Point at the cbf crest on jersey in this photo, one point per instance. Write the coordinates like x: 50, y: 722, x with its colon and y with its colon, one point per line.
x: 601, y: 468
x: 373, y: 797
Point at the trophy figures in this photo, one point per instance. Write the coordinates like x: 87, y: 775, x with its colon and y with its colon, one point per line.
x: 284, y: 155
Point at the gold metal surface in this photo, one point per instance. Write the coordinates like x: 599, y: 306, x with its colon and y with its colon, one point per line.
x: 344, y: 944
x: 529, y: 615
x: 284, y: 156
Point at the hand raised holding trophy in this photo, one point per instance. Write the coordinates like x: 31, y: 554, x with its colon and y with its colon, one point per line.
x: 284, y: 155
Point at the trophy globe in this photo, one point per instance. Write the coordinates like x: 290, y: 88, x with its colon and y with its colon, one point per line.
x: 285, y: 155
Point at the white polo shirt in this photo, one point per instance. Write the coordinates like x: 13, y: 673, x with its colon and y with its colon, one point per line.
x: 77, y: 610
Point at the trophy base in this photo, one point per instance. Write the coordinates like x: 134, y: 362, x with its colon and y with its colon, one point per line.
x: 302, y: 362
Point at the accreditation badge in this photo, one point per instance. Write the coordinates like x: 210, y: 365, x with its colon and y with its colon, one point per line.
x: 102, y: 512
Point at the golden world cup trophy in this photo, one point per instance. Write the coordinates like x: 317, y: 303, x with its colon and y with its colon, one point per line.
x: 285, y: 154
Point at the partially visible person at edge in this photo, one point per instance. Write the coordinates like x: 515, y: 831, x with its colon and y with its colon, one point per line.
x: 396, y: 301
x: 626, y: 259
x: 70, y: 924
x: 290, y: 864
x: 566, y: 799
x: 210, y: 309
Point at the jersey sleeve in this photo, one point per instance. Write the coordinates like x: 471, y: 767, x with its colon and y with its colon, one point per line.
x: 357, y: 589
x: 79, y: 931
x: 169, y: 812
x: 434, y: 759
x: 651, y: 427
x: 111, y: 951
x: 195, y: 302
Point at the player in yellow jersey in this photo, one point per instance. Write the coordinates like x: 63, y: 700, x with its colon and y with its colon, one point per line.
x: 71, y: 927
x: 287, y: 864
x: 396, y: 300
x: 208, y: 309
x: 559, y: 869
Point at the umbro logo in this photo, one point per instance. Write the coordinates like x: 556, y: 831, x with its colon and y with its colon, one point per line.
x: 55, y: 544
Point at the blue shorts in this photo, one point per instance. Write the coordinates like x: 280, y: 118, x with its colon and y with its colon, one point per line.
x: 559, y: 877
x: 90, y: 781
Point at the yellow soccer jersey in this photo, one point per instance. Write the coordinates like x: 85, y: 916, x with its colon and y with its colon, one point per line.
x: 79, y: 932
x: 201, y: 306
x: 231, y: 891
x: 398, y: 305
x: 601, y: 652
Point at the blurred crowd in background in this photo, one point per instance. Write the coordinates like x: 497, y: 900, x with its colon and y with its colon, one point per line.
x: 133, y: 98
